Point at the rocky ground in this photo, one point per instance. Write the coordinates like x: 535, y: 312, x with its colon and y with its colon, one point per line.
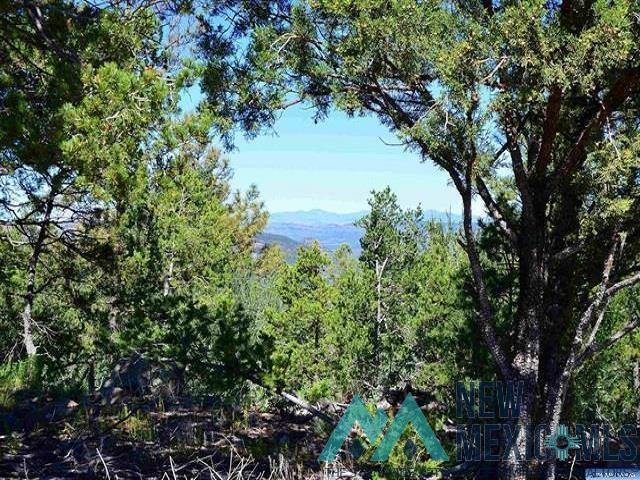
x: 147, y: 439
x: 136, y: 426
x: 144, y: 438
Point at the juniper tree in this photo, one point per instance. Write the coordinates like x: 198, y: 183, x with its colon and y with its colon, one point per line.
x: 74, y: 109
x: 531, y: 107
x: 178, y: 245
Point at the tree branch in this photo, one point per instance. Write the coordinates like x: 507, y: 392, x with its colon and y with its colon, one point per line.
x: 554, y: 401
x: 549, y: 130
x: 485, y: 317
x: 519, y: 171
x: 626, y: 282
x: 496, y: 213
x: 622, y: 89
x: 568, y: 251
x: 600, y: 300
x: 308, y: 407
x: 596, y: 347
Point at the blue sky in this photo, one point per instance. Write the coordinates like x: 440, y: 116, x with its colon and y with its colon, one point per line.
x: 333, y: 165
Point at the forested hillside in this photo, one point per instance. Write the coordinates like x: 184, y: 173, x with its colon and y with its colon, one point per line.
x: 149, y: 323
x: 332, y: 230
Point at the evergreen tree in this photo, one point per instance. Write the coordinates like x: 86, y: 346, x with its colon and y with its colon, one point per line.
x: 392, y: 241
x: 530, y: 107
x: 73, y: 115
x: 299, y: 330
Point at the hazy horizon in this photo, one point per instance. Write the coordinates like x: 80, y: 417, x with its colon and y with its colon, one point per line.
x: 333, y: 165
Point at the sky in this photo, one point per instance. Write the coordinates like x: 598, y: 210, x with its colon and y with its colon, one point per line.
x: 333, y: 165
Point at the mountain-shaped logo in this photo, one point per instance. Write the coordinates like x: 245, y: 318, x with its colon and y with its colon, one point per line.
x: 373, y: 426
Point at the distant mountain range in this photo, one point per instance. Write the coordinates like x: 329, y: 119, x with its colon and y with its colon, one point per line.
x: 292, y: 229
x: 316, y: 217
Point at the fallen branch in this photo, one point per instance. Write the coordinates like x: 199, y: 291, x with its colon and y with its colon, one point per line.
x: 308, y: 407
x: 297, y: 401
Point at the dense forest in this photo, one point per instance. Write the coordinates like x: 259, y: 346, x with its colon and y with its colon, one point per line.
x: 144, y: 331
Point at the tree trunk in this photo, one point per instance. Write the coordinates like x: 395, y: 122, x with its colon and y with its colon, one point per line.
x: 91, y: 376
x: 379, y: 272
x: 378, y: 302
x: 27, y: 311
x: 166, y: 288
x: 556, y: 400
x: 526, y: 363
x: 27, y: 334
x: 113, y: 319
x: 517, y: 466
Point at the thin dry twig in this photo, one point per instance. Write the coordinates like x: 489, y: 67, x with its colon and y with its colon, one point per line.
x: 106, y: 469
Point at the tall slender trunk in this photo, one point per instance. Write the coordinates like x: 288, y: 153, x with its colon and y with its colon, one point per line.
x: 378, y: 303
x: 27, y: 311
x: 517, y: 465
x: 166, y: 288
x: 555, y: 401
x: 113, y: 315
x: 556, y: 393
x: 27, y: 334
x: 91, y: 376
x: 380, y: 268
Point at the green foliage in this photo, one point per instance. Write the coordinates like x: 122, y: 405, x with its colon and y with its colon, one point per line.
x: 136, y: 425
x: 181, y: 245
x: 416, y: 286
x: 11, y: 279
x: 120, y: 230
x: 16, y: 377
x: 325, y: 339
x: 607, y: 388
x: 121, y: 233
x: 299, y: 330
x: 392, y: 242
x: 531, y: 108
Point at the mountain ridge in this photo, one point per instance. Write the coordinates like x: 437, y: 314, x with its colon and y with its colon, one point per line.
x: 318, y: 216
x: 330, y: 229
